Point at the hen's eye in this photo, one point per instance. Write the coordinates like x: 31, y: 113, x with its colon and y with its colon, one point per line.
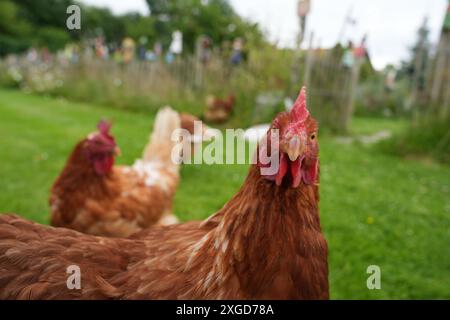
x: 312, y: 136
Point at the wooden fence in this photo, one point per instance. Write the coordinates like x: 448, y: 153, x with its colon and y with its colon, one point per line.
x: 331, y: 86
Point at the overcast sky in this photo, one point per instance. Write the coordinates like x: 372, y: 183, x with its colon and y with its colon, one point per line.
x: 390, y: 24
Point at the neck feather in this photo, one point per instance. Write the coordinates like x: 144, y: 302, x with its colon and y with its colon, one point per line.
x: 263, y: 229
x: 79, y: 170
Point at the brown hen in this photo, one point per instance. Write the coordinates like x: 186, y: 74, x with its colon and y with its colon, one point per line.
x: 219, y: 110
x: 95, y: 197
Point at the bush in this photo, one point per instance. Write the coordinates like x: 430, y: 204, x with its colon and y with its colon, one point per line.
x: 53, y: 38
x: 430, y: 137
x: 12, y: 44
x: 373, y: 99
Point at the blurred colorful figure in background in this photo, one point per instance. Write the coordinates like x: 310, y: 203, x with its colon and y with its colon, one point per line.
x: 128, y: 50
x: 143, y: 48
x: 72, y: 53
x: 158, y: 49
x: 176, y: 46
x: 360, y: 51
x: 204, y: 46
x: 101, y: 50
x: 237, y: 55
x: 389, y: 79
x: 348, y: 58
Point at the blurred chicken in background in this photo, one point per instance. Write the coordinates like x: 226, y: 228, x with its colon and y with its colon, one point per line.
x: 219, y: 110
x: 93, y: 196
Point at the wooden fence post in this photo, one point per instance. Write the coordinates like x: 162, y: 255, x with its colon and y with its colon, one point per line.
x: 309, y: 62
x: 349, y: 105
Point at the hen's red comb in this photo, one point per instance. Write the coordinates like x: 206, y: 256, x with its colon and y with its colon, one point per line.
x: 299, y: 111
x: 103, y: 126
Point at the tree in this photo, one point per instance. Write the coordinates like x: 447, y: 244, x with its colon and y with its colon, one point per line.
x: 49, y: 13
x: 101, y: 21
x: 137, y: 26
x: 28, y: 23
x: 24, y: 23
x: 51, y: 37
x: 214, y: 18
x: 14, y: 31
x: 158, y: 7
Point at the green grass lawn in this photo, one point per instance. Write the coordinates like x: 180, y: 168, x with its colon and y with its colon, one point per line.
x: 376, y: 209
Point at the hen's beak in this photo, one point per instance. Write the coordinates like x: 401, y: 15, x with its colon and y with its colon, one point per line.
x: 294, y: 148
x: 117, y: 151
